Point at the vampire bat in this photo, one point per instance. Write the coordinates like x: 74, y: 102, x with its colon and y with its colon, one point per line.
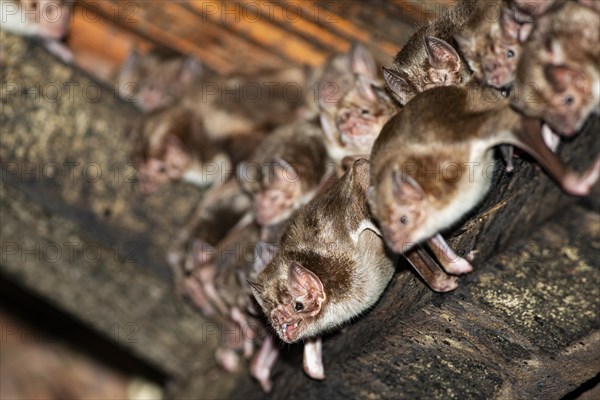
x: 331, y: 265
x: 155, y: 81
x: 558, y: 77
x: 172, y: 145
x: 432, y: 163
x: 491, y: 42
x: 429, y: 58
x: 328, y: 83
x: 285, y: 171
x: 228, y: 105
x: 353, y: 124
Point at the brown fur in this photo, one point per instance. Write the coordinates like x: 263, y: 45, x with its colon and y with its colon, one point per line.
x: 331, y: 81
x: 491, y: 43
x: 560, y: 69
x: 325, y: 237
x: 352, y: 126
x: 449, y: 127
x: 289, y: 164
x: 154, y: 81
x: 169, y: 143
x: 412, y: 71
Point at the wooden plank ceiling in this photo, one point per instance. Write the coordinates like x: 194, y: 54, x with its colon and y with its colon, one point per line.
x: 243, y: 35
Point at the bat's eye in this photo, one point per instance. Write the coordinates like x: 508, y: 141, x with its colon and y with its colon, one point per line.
x: 569, y: 100
x: 162, y: 169
x: 298, y: 306
x: 364, y: 111
x: 404, y: 220
x: 510, y: 54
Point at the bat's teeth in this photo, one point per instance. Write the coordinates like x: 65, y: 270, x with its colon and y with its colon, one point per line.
x: 284, y: 327
x: 296, y: 325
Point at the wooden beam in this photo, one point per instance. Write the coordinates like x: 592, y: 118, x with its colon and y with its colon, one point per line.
x: 343, y: 26
x: 88, y: 37
x: 137, y: 17
x: 291, y: 17
x: 260, y: 29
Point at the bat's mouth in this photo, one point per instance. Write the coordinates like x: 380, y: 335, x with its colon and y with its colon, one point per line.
x: 289, y: 331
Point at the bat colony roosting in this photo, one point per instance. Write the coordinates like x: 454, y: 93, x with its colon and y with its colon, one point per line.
x: 330, y: 189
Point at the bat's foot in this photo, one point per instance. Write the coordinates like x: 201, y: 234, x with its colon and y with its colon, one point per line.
x: 315, y: 371
x: 472, y: 254
x: 193, y: 289
x: 458, y: 266
x: 263, y: 362
x: 228, y: 359
x: 451, y: 262
x: 582, y: 185
x: 313, y: 359
x: 443, y: 283
x: 551, y: 139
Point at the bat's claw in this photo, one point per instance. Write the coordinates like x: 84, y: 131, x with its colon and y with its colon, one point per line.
x: 228, y: 359
x: 472, y: 254
x: 582, y: 185
x: 551, y: 139
x: 458, y: 266
x: 444, y: 283
x: 313, y: 359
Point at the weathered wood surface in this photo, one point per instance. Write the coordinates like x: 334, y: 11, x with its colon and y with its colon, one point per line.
x: 524, y: 324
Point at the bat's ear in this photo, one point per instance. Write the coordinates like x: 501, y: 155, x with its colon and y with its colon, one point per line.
x: 441, y: 54
x: 366, y: 87
x: 561, y: 77
x: 329, y: 127
x: 406, y: 188
x: 257, y: 290
x: 508, y: 25
x: 191, y: 69
x: 361, y: 61
x: 263, y: 254
x: 305, y: 283
x: 398, y: 85
x: 283, y: 172
x: 129, y: 66
x: 247, y: 173
x: 360, y: 172
x: 512, y: 29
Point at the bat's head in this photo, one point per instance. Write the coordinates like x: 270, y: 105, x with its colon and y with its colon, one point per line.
x: 160, y: 169
x: 158, y: 150
x: 360, y: 115
x: 152, y: 82
x: 559, y: 91
x: 398, y: 203
x: 275, y: 189
x: 441, y: 66
x: 292, y: 297
x: 332, y: 81
x: 493, y: 49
